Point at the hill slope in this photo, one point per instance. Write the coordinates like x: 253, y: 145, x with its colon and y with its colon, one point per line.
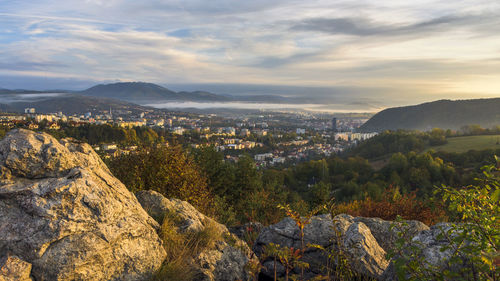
x: 444, y: 114
x: 146, y: 92
x: 130, y: 91
x: 143, y: 93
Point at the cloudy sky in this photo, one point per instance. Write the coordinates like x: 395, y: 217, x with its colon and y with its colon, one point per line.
x: 384, y: 51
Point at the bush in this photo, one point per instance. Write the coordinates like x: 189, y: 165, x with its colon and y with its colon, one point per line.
x: 167, y: 170
x: 473, y: 240
x: 392, y: 204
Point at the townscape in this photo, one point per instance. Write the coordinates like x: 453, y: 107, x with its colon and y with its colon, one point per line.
x: 271, y: 138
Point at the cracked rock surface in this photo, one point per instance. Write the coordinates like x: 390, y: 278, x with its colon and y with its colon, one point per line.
x: 63, y: 212
x: 364, y: 242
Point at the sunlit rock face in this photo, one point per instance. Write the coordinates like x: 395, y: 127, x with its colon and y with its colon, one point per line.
x: 63, y: 212
x: 228, y: 258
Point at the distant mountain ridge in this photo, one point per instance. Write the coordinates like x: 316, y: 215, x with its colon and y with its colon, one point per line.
x: 142, y: 92
x: 445, y: 114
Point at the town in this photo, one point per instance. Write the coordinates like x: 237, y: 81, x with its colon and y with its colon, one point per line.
x: 271, y: 138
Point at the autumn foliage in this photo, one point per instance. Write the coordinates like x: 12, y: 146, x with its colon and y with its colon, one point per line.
x: 392, y: 204
x: 167, y: 170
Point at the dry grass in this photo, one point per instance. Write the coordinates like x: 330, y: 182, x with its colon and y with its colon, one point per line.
x: 181, y: 248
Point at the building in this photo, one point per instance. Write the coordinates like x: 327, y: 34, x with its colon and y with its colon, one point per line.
x: 263, y: 156
x: 260, y: 133
x: 178, y: 130
x: 244, y: 132
x: 169, y: 122
x: 334, y: 124
x: 29, y: 111
x: 300, y: 131
x: 230, y: 131
x: 109, y: 147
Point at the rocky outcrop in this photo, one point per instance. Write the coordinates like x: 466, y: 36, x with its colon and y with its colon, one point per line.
x: 14, y: 269
x: 386, y: 238
x: 364, y: 242
x: 435, y: 250
x: 363, y: 251
x: 226, y: 260
x: 432, y: 241
x: 63, y: 212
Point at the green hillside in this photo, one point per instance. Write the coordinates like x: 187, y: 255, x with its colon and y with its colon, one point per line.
x: 445, y: 114
x: 464, y: 144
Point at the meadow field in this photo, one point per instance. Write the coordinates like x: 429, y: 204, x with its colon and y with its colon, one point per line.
x: 464, y: 144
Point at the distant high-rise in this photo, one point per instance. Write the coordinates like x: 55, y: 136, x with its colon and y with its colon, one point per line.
x: 334, y: 124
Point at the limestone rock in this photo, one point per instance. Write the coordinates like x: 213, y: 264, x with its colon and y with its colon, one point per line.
x: 157, y: 206
x: 62, y: 211
x: 225, y: 261
x: 363, y: 251
x: 286, y: 234
x: 364, y: 240
x: 431, y: 242
x: 386, y: 237
x: 14, y: 269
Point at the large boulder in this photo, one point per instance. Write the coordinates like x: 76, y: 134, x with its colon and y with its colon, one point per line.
x: 363, y: 251
x: 63, y: 212
x: 286, y: 234
x: 385, y: 235
x: 433, y: 248
x: 225, y: 260
x: 364, y: 241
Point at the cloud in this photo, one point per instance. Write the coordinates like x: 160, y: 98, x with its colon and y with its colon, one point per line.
x: 366, y: 27
x: 378, y: 48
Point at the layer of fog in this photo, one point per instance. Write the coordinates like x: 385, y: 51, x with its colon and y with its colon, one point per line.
x: 341, y: 108
x: 11, y: 98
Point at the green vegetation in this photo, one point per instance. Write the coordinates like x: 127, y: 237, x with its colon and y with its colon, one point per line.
x: 239, y: 192
x: 473, y: 240
x: 99, y: 134
x: 388, y: 142
x: 167, y: 170
x: 466, y: 143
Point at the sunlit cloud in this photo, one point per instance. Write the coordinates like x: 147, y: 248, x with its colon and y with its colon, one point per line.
x: 404, y: 51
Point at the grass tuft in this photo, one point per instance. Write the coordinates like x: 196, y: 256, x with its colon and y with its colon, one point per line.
x: 181, y: 248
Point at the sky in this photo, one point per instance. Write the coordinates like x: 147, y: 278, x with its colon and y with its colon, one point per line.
x: 380, y: 52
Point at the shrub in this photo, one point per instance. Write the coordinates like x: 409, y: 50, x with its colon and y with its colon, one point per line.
x: 392, y: 204
x: 167, y: 170
x: 473, y: 240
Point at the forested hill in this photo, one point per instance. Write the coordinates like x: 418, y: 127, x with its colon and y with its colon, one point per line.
x: 445, y: 114
x: 141, y: 91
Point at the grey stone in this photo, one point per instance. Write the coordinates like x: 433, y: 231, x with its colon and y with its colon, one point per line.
x: 386, y: 237
x: 229, y: 256
x: 363, y: 251
x: 62, y: 211
x: 365, y: 241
